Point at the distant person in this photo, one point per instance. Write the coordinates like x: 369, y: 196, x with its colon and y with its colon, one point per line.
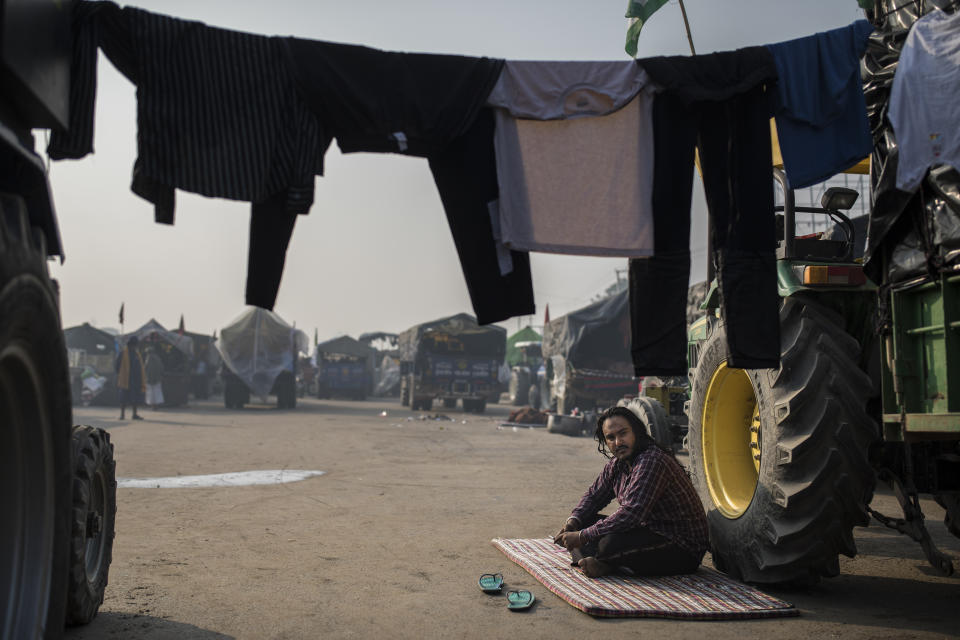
x: 660, y: 527
x: 154, y: 370
x: 131, y: 377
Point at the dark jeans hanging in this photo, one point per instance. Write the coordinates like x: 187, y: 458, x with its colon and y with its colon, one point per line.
x: 733, y: 136
x: 465, y: 173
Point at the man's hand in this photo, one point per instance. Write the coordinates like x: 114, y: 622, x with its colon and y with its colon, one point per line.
x: 572, y: 524
x: 568, y: 539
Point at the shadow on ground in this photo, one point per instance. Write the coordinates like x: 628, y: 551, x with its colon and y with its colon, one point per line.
x: 127, y: 625
x: 879, y: 601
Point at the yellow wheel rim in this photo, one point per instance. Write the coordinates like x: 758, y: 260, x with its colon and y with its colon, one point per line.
x: 730, y: 439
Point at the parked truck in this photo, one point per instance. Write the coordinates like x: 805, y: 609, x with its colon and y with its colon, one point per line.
x: 587, y: 356
x: 451, y: 359
x: 786, y: 460
x: 344, y: 368
x: 260, y: 351
x: 59, y: 489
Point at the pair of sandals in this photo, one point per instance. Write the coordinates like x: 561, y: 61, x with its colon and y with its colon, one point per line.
x: 516, y: 600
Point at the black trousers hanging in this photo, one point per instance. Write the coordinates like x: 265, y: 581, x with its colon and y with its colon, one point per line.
x: 733, y: 136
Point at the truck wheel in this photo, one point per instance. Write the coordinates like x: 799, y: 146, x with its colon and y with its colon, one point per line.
x: 951, y: 503
x: 533, y: 396
x: 779, y: 457
x: 654, y: 418
x: 94, y: 517
x: 35, y: 460
x: 519, y: 387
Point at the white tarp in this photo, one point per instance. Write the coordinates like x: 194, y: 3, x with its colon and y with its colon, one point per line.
x: 258, y: 346
x: 234, y: 479
x: 182, y: 343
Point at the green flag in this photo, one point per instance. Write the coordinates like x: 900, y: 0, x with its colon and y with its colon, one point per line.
x: 639, y: 12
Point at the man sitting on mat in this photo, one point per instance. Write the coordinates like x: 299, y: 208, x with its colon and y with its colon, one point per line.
x: 660, y: 527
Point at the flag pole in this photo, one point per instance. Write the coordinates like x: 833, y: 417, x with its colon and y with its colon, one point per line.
x: 686, y: 24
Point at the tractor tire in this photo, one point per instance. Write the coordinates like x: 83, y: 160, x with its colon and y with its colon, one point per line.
x: 951, y: 504
x: 654, y: 418
x: 779, y: 457
x: 533, y: 396
x: 286, y: 386
x: 519, y: 387
x: 35, y: 453
x: 94, y: 519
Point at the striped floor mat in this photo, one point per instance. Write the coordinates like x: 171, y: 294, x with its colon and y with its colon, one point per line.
x: 705, y: 595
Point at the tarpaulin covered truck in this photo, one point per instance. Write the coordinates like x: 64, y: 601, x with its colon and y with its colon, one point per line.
x: 260, y: 352
x: 587, y: 353
x: 451, y: 359
x: 58, y: 501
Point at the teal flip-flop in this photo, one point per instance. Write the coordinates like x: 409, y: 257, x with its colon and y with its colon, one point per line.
x: 519, y: 600
x: 491, y: 582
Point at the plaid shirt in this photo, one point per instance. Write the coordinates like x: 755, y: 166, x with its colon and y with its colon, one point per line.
x: 654, y: 492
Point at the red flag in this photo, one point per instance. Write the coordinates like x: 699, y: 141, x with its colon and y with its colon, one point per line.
x: 181, y: 329
x: 546, y: 315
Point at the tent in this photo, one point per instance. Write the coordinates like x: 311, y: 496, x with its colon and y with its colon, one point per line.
x: 182, y: 343
x: 527, y: 334
x: 89, y: 339
x: 347, y: 346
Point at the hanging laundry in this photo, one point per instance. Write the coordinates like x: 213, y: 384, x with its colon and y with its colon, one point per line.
x: 820, y: 110
x: 718, y: 103
x: 249, y: 117
x: 926, y: 129
x: 574, y: 148
x: 430, y: 106
x: 218, y: 114
x: 465, y: 173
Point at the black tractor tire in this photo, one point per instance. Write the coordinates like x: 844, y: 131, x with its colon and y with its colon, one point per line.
x: 519, y: 387
x: 533, y: 396
x: 235, y: 393
x: 812, y: 434
x: 35, y: 423
x: 94, y: 520
x: 654, y: 418
x: 951, y: 504
x: 286, y: 386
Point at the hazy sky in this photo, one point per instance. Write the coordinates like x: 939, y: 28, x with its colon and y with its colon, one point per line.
x: 375, y: 252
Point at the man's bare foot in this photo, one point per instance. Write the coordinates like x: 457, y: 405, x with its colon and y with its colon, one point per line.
x: 593, y: 568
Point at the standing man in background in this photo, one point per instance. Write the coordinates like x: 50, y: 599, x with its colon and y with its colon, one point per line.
x: 131, y: 377
x: 154, y: 370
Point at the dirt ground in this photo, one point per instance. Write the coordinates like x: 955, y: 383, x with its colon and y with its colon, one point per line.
x: 389, y: 543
